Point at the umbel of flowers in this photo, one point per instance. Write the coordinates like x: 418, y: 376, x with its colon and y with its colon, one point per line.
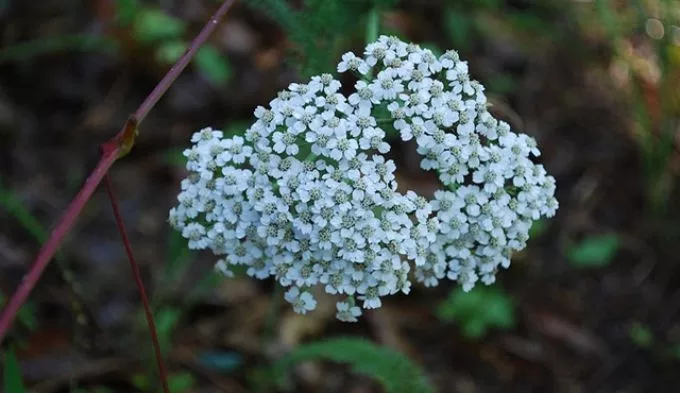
x: 307, y: 197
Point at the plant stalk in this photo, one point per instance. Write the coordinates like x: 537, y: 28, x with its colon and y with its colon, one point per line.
x: 162, y: 374
x: 115, y: 148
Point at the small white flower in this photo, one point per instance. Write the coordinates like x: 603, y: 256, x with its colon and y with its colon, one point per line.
x: 373, y: 138
x: 352, y: 63
x: 347, y: 312
x: 301, y: 301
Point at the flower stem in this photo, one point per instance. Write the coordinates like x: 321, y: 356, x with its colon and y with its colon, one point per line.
x: 372, y: 27
x: 140, y: 284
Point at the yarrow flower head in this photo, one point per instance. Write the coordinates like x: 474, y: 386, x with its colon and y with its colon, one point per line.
x: 307, y: 197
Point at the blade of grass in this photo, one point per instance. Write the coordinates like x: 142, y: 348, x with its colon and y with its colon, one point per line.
x: 64, y: 43
x: 16, y: 209
x: 12, y: 374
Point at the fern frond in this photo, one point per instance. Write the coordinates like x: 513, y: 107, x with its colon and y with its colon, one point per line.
x: 392, y: 369
x: 282, y: 13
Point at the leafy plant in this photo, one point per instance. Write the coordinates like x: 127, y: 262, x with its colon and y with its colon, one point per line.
x: 155, y: 28
x: 321, y: 29
x: 594, y: 251
x: 478, y: 310
x: 392, y: 369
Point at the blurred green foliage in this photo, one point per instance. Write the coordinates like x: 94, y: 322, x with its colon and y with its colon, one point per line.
x: 177, y: 383
x: 642, y: 40
x: 12, y: 381
x: 170, y: 284
x: 477, y: 311
x: 594, y: 251
x: 26, y: 315
x: 641, y: 335
x: 322, y: 29
x: 538, y: 228
x: 151, y: 25
x: 165, y: 35
x: 13, y: 205
x: 63, y: 43
x: 93, y: 390
x: 395, y: 372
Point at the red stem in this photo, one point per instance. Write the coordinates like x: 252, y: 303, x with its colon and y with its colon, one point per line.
x: 50, y: 247
x: 111, y: 151
x: 140, y: 284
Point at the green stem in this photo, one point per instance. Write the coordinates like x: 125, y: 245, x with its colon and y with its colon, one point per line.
x: 373, y: 25
x: 273, y: 315
x: 372, y: 28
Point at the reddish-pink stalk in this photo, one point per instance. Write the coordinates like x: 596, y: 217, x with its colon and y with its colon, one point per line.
x: 111, y: 151
x: 140, y: 284
x: 177, y: 69
x: 50, y: 247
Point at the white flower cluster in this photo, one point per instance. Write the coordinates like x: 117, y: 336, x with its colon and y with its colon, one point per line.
x: 307, y: 197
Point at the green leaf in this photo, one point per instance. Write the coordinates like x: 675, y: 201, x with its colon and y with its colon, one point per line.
x: 674, y: 351
x: 458, y: 26
x: 392, y: 369
x: 170, y: 51
x: 213, y: 65
x: 502, y: 84
x: 174, y: 156
x: 12, y: 374
x: 166, y: 321
x: 478, y: 310
x: 594, y: 251
x: 152, y: 25
x: 140, y: 381
x: 641, y: 335
x: 16, y: 209
x: 179, y: 258
x: 180, y: 383
x: 26, y: 50
x: 236, y: 127
x: 538, y: 228
x: 126, y: 11
x: 436, y: 49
